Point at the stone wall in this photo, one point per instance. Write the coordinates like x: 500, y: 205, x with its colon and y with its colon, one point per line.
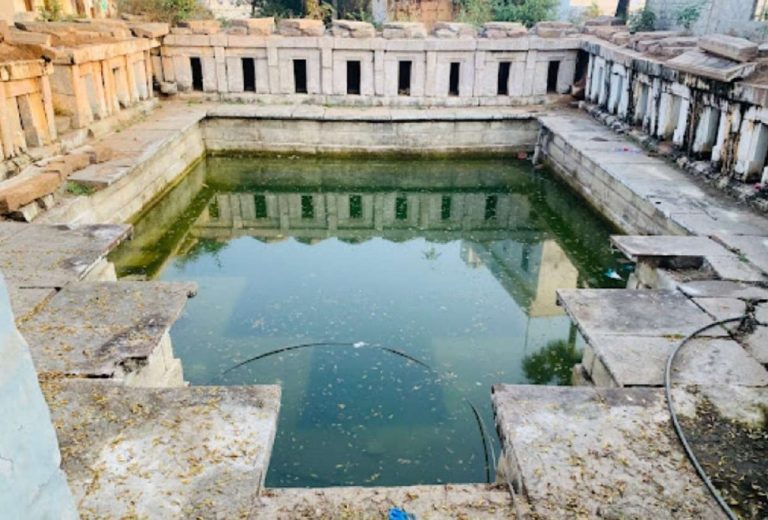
x: 358, y: 67
x: 94, y: 82
x: 31, y: 483
x: 715, y: 16
x: 716, y: 126
x: 26, y: 107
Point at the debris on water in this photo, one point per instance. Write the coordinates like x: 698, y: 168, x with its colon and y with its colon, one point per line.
x: 359, y: 344
x: 613, y: 275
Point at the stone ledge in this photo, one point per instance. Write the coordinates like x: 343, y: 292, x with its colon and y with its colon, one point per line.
x: 198, y: 452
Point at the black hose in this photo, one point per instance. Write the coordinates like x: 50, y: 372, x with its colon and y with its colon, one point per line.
x: 489, y: 462
x: 676, y: 424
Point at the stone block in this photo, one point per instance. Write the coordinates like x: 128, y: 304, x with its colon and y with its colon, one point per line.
x: 17, y: 37
x: 301, y: 27
x: 61, y: 168
x: 181, y: 30
x: 709, y: 66
x: 201, y: 26
x: 77, y: 161
x: 731, y: 47
x: 352, y: 29
x: 397, y: 30
x: 169, y: 88
x: 3, y: 29
x: 553, y: 29
x: 99, y: 153
x: 257, y: 26
x: 150, y: 30
x: 237, y: 31
x: 603, y: 20
x: 454, y: 30
x: 621, y: 38
x: 500, y: 30
x: 23, y: 191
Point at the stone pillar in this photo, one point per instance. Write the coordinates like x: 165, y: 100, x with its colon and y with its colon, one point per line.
x: 6, y: 135
x: 752, y: 150
x: 565, y: 75
x: 706, y: 130
x: 113, y: 104
x: 378, y: 69
x: 130, y: 79
x: 678, y: 137
x: 273, y: 64
x: 326, y: 66
x: 220, y: 58
x: 590, y: 76
x: 148, y: 73
x: 430, y: 83
x: 45, y: 90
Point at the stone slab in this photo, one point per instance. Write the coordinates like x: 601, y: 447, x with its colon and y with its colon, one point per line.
x: 198, y: 452
x: 636, y: 247
x: 714, y: 67
x: 26, y: 302
x: 724, y: 289
x: 731, y: 47
x: 103, y: 329
x: 752, y: 248
x: 578, y: 452
x: 640, y: 361
x: 756, y: 343
x: 634, y: 313
x: 54, y: 256
x: 448, y: 502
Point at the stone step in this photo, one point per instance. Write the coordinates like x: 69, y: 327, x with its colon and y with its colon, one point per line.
x: 687, y: 252
x: 198, y: 452
x: 51, y: 256
x: 630, y: 334
x: 475, y: 501
x: 597, y: 453
x: 106, y: 329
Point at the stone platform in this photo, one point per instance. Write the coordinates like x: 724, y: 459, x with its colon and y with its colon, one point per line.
x: 598, y: 453
x: 113, y: 330
x: 199, y: 452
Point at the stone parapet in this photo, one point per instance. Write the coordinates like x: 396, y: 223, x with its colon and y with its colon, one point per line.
x: 403, y: 66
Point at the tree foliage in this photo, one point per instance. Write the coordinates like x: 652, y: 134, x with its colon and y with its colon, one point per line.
x: 527, y: 12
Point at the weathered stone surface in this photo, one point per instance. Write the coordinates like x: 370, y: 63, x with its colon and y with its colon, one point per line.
x: 257, y: 26
x: 21, y: 191
x: 169, y: 89
x: 99, y: 153
x: 723, y: 289
x: 150, y: 30
x: 103, y: 329
x: 640, y: 361
x: 752, y: 248
x: 181, y: 31
x: 199, y: 452
x: 32, y: 486
x: 352, y: 29
x: 28, y: 300
x: 621, y: 38
x: 238, y: 31
x: 598, y: 453
x: 17, y: 37
x: 714, y: 67
x: 54, y: 256
x: 300, y: 27
x: 731, y: 47
x: 756, y: 343
x: 395, y: 30
x: 201, y: 26
x: 550, y: 29
x: 450, y: 30
x: 500, y: 30
x: 475, y: 501
x: 634, y: 313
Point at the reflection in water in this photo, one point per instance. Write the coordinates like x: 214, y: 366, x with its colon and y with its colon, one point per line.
x: 383, y: 296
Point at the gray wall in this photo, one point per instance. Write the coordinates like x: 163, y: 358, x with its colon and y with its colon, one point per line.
x: 716, y: 16
x: 31, y: 484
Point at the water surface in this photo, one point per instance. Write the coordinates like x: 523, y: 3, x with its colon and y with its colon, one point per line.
x: 385, y: 297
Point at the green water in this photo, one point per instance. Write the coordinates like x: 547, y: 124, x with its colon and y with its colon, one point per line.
x: 408, y: 288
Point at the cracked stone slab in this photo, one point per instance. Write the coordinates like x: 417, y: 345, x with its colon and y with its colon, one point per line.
x: 634, y: 312
x: 46, y: 256
x: 598, y: 453
x: 103, y: 329
x: 756, y: 343
x: 197, y: 452
x: 709, y: 66
x: 722, y: 309
x: 640, y: 361
x: 446, y: 502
